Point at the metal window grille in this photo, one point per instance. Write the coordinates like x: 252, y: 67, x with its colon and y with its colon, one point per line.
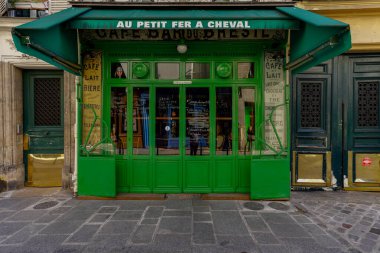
x: 368, y: 104
x: 47, y: 102
x: 311, y: 103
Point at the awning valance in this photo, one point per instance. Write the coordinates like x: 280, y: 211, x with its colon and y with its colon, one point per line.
x: 314, y: 38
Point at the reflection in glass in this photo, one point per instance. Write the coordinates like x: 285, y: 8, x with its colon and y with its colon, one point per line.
x: 167, y: 70
x: 196, y: 70
x: 119, y: 119
x: 246, y: 105
x: 197, y: 121
x: 223, y: 121
x: 140, y: 121
x: 167, y: 121
x: 246, y: 70
x: 119, y: 69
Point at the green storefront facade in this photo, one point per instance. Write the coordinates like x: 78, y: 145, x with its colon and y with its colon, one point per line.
x: 187, y: 100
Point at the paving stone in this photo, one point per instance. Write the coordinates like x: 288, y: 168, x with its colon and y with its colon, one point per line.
x: 288, y: 230
x: 12, y: 249
x: 107, y: 243
x: 176, y: 213
x: 6, y: 214
x: 228, y: 222
x: 303, y: 245
x: 84, y: 234
x: 44, y: 243
x: 265, y: 238
x: 143, y: 234
x: 249, y: 213
x: 186, y: 205
x: 326, y: 241
x: 375, y: 231
x: 24, y: 234
x: 76, y: 214
x: 237, y: 243
x: 279, y: 206
x: 256, y: 223
x: 99, y: 218
x: 154, y: 212
x: 365, y: 223
x: 149, y: 221
x: 118, y: 227
x: 136, y: 204
x: 170, y: 225
x: 223, y: 205
x: 47, y: 218
x: 69, y: 249
x: 61, y: 210
x: 201, y: 209
x: 274, y: 249
x: 61, y: 227
x: 26, y: 215
x: 203, y: 233
x: 277, y: 218
x: 313, y: 229
x: 108, y: 209
x: 172, y: 242
x: 302, y: 219
x: 197, y: 217
x: 127, y: 215
x: 9, y: 228
x: 367, y: 244
x: 353, y: 238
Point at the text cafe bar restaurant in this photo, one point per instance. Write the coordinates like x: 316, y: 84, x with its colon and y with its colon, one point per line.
x: 187, y: 100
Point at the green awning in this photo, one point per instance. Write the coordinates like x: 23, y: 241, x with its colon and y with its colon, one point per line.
x: 318, y: 39
x: 50, y: 39
x: 53, y: 38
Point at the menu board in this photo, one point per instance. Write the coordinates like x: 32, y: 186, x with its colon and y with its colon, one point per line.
x: 92, y: 99
x: 197, y: 114
x: 274, y: 96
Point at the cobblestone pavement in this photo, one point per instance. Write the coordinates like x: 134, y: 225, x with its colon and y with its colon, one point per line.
x: 52, y: 221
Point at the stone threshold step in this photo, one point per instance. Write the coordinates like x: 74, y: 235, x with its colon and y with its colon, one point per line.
x: 143, y: 196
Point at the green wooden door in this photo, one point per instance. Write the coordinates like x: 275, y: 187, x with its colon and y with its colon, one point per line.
x: 43, y: 127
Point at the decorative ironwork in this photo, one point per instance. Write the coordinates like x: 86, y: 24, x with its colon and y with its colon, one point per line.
x: 368, y: 104
x: 311, y: 103
x: 47, y: 101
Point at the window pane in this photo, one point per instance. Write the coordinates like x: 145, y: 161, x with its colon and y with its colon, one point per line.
x: 167, y: 71
x: 196, y: 70
x: 223, y: 121
x: 140, y: 121
x: 167, y: 121
x: 119, y: 119
x: 119, y: 70
x: 246, y: 104
x: 246, y: 70
x: 197, y: 121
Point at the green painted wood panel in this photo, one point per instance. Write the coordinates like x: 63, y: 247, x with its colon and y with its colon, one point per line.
x: 224, y: 175
x: 243, y: 174
x: 141, y: 175
x: 167, y: 176
x: 122, y: 179
x: 197, y: 176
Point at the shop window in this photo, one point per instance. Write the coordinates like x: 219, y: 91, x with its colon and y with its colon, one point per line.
x: 167, y: 70
x: 140, y: 121
x: 197, y: 121
x: 196, y: 70
x: 246, y: 106
x: 167, y: 121
x: 224, y: 121
x: 246, y: 70
x: 119, y: 70
x: 119, y: 119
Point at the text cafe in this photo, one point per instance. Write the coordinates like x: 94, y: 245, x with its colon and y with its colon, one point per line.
x: 186, y: 100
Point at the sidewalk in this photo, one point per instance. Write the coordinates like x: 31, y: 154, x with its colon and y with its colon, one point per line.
x: 50, y: 220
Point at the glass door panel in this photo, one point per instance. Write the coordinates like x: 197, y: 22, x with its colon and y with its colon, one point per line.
x: 246, y: 119
x: 223, y: 121
x: 140, y: 121
x: 197, y: 121
x: 119, y: 119
x: 167, y: 121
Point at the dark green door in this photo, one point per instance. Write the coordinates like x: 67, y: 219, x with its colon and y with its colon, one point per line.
x: 43, y: 127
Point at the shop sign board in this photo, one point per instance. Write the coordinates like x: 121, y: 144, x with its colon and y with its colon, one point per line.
x: 177, y: 34
x: 92, y: 99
